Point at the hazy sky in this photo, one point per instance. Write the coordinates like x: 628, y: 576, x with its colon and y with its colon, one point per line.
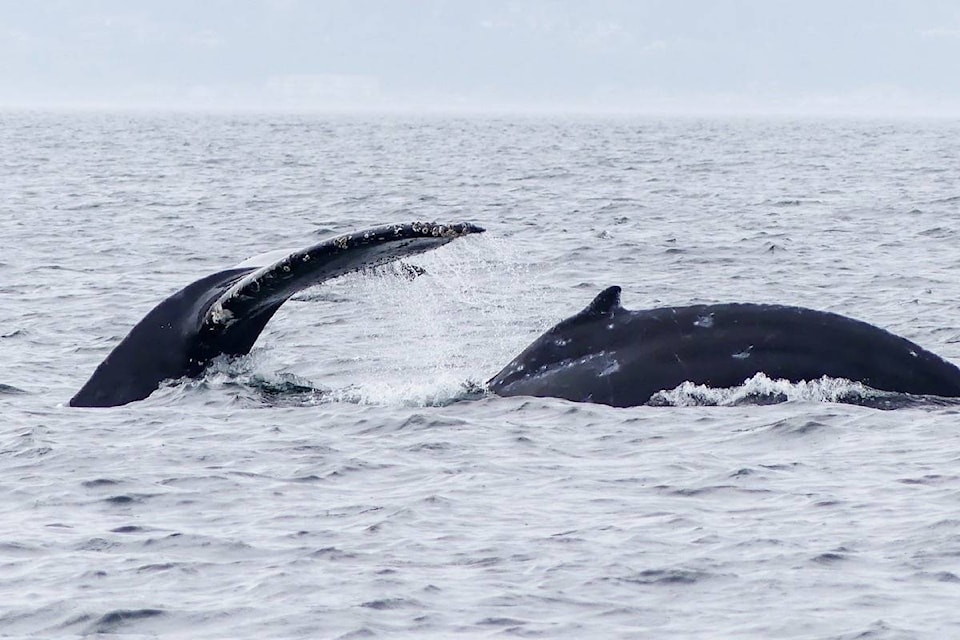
x: 880, y: 57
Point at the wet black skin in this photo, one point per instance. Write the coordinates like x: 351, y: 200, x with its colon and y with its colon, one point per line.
x: 604, y: 354
x: 610, y: 355
x: 224, y: 313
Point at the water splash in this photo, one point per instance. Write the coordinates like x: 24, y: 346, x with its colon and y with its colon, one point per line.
x: 383, y: 338
x: 762, y: 390
x: 443, y: 333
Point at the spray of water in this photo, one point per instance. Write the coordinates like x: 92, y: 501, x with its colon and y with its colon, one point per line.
x: 437, y: 338
x: 761, y: 389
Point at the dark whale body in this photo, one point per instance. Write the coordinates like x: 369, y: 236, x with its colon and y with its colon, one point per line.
x: 610, y: 355
x: 604, y: 354
x: 225, y: 312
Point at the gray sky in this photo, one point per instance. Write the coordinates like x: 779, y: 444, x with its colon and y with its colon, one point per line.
x: 866, y: 57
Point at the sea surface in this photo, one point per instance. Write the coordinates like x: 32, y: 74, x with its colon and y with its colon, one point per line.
x: 346, y: 480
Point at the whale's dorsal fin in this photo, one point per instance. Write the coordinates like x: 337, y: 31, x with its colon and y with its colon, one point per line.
x: 606, y: 303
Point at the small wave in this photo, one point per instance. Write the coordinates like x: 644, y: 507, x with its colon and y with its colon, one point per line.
x: 501, y: 622
x: 544, y: 174
x: 667, y: 577
x: 129, y: 498
x: 762, y: 390
x: 84, y: 206
x: 946, y: 200
x: 426, y: 393
x: 385, y: 604
x: 282, y: 385
x: 791, y: 202
x: 237, y: 376
x: 798, y: 426
x: 114, y: 621
x: 99, y: 482
x: 937, y: 232
x: 829, y: 558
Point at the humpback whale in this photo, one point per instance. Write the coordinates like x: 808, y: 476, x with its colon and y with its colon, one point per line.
x: 604, y: 354
x: 225, y: 312
x: 610, y: 355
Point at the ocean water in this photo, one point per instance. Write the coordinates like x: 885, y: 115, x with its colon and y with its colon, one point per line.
x: 345, y: 480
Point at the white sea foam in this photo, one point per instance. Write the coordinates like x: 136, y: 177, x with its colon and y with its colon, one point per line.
x: 760, y: 389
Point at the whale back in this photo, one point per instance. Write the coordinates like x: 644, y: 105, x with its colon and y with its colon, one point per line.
x: 568, y: 345
x: 611, y: 355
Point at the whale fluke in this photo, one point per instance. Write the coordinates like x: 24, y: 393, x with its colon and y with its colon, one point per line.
x: 225, y: 312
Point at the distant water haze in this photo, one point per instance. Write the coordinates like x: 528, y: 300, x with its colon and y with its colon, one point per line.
x: 819, y: 57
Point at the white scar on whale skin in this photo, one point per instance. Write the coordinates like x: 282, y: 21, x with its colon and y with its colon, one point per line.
x: 611, y: 368
x: 743, y: 355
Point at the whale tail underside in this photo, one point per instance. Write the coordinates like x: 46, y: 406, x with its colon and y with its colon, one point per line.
x: 225, y: 312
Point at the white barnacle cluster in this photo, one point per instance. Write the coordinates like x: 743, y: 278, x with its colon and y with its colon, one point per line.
x: 434, y: 229
x: 453, y: 231
x: 343, y: 242
x: 219, y: 315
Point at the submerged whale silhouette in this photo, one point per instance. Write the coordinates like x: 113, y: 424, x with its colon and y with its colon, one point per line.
x: 604, y: 354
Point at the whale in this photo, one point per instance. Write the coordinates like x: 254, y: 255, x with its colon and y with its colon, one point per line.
x: 610, y: 355
x: 604, y: 354
x: 225, y: 312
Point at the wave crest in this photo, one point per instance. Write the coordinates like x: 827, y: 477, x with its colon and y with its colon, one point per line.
x: 763, y: 390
